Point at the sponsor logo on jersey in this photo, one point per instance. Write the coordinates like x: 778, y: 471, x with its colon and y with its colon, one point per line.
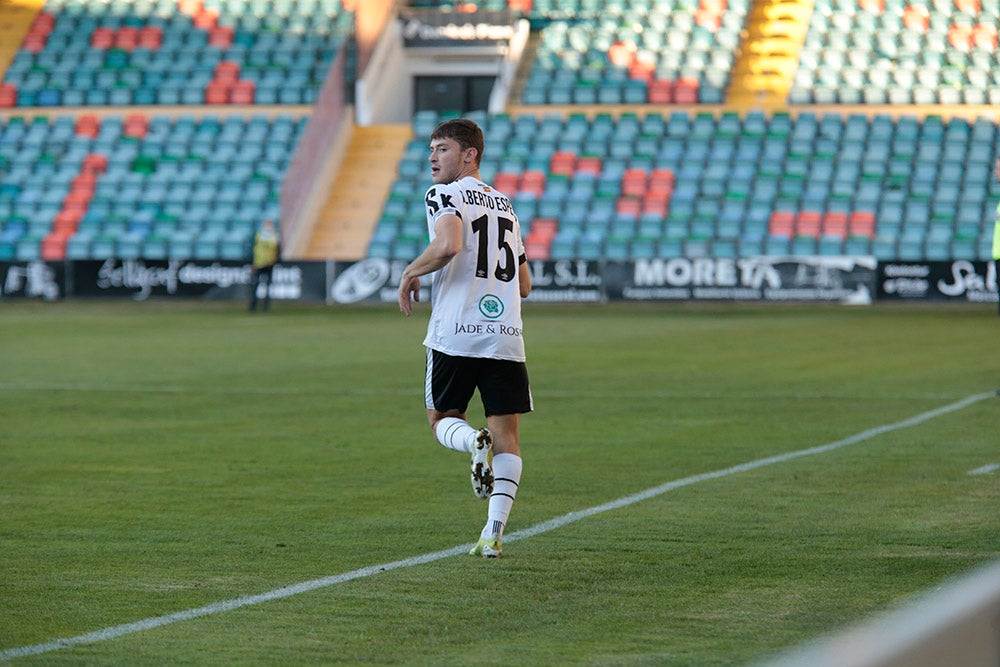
x: 491, y: 306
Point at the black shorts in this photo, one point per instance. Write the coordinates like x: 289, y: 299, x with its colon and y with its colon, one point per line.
x: 450, y: 382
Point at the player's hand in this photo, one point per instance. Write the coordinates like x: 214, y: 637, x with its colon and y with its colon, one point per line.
x: 409, y: 291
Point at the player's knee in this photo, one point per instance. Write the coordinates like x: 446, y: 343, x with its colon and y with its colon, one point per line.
x: 434, y: 417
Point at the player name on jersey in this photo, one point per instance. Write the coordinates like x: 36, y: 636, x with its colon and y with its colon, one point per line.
x: 492, y: 202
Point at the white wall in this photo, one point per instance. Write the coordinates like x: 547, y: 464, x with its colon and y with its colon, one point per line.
x: 956, y: 625
x: 384, y: 95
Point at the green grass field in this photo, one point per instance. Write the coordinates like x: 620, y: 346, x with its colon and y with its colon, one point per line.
x: 159, y: 457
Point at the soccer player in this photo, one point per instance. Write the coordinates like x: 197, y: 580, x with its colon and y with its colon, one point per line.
x: 479, y: 276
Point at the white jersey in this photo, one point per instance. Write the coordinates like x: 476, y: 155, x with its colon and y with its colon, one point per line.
x: 475, y: 298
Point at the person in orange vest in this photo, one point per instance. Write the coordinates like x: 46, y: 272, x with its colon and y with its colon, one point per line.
x: 266, y: 249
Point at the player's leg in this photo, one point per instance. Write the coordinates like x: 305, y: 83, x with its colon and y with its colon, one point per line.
x: 506, y: 479
x: 452, y: 430
x: 254, y: 284
x: 506, y: 433
x: 505, y: 396
x: 267, y: 277
x: 447, y: 391
x: 450, y: 383
x: 506, y: 471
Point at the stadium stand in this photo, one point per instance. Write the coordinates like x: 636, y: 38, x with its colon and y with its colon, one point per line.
x: 192, y: 52
x: 633, y: 53
x: 90, y: 169
x: 725, y: 184
x: 898, y: 52
x: 139, y: 186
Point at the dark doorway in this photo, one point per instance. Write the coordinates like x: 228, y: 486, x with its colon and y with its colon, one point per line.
x: 453, y: 93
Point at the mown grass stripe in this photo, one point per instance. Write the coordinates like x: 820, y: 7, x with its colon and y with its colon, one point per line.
x: 538, y: 529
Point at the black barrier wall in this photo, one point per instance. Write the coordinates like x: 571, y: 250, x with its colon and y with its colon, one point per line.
x: 140, y: 280
x: 848, y: 280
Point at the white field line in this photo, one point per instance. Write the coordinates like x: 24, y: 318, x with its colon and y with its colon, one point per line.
x: 543, y: 527
x: 986, y: 469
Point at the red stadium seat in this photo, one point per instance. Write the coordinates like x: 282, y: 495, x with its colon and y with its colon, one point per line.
x: 150, y: 37
x: 505, y: 182
x: 562, y: 162
x: 126, y: 38
x: 537, y: 250
x: 658, y: 207
x: 95, y: 163
x: 217, y: 93
x: 628, y: 206
x: 660, y: 91
x: 136, y: 126
x: 53, y: 246
x: 88, y: 125
x: 221, y: 36
x: 807, y: 223
x: 206, y: 18
x: 102, y: 38
x: 226, y: 72
x: 8, y: 95
x: 243, y: 92
x: 686, y: 90
x: 589, y: 165
x: 834, y: 224
x: 861, y: 223
x: 532, y: 182
x: 781, y: 223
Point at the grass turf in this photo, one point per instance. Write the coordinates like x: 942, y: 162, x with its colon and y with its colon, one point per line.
x: 161, y: 456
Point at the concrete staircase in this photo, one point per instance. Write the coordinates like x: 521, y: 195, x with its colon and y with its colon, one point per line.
x: 354, y: 203
x: 16, y: 17
x: 765, y: 67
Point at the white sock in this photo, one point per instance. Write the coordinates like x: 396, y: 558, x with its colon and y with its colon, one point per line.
x: 507, y: 475
x: 455, y: 433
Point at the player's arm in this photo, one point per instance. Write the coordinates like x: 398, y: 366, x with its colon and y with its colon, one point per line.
x: 447, y: 243
x: 524, y: 277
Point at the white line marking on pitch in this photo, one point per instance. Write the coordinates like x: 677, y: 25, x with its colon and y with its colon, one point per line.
x: 543, y: 527
x: 986, y: 470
